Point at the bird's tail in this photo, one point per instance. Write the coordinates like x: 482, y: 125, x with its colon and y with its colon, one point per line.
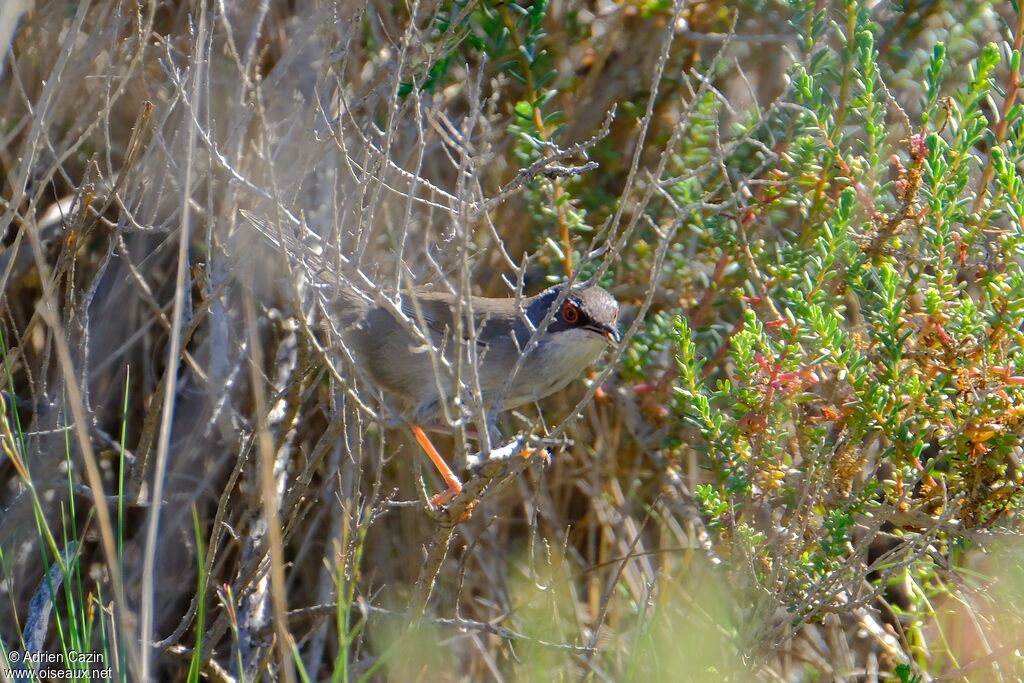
x: 324, y: 270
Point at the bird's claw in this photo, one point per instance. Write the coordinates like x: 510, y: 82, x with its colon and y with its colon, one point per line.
x: 442, y: 499
x: 544, y: 455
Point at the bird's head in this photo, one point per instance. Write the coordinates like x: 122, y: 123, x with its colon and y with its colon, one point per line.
x: 585, y: 313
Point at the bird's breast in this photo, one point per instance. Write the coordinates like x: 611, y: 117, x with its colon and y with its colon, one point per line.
x: 555, y: 362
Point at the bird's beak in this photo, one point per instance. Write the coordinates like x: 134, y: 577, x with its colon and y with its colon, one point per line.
x: 609, y: 332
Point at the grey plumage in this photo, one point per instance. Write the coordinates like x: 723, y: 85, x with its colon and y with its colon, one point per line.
x: 394, y: 358
x: 397, y: 362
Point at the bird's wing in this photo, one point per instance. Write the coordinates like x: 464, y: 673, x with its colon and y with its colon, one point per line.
x: 430, y: 307
x: 436, y: 312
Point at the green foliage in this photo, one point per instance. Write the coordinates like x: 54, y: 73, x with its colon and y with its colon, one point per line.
x: 905, y: 674
x: 509, y: 35
x: 857, y: 354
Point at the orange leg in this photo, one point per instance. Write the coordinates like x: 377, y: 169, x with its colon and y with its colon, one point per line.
x: 450, y: 480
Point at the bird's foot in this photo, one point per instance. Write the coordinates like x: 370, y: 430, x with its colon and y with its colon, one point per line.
x: 442, y: 499
x: 451, y: 481
x: 544, y: 455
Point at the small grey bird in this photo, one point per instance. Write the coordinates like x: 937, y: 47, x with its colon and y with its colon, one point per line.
x: 397, y: 362
x: 577, y: 333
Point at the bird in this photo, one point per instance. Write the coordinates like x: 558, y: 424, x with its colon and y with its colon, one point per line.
x: 526, y: 348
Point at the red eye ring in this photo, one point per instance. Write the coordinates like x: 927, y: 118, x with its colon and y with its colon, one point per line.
x: 570, y: 313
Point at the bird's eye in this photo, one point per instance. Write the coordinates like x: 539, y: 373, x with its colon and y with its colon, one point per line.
x: 570, y: 313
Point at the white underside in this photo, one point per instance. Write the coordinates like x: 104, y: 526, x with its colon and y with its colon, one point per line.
x: 558, y: 361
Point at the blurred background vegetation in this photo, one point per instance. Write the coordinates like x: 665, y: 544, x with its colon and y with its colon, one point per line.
x: 803, y: 463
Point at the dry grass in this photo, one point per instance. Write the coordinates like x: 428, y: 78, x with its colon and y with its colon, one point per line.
x: 221, y: 486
